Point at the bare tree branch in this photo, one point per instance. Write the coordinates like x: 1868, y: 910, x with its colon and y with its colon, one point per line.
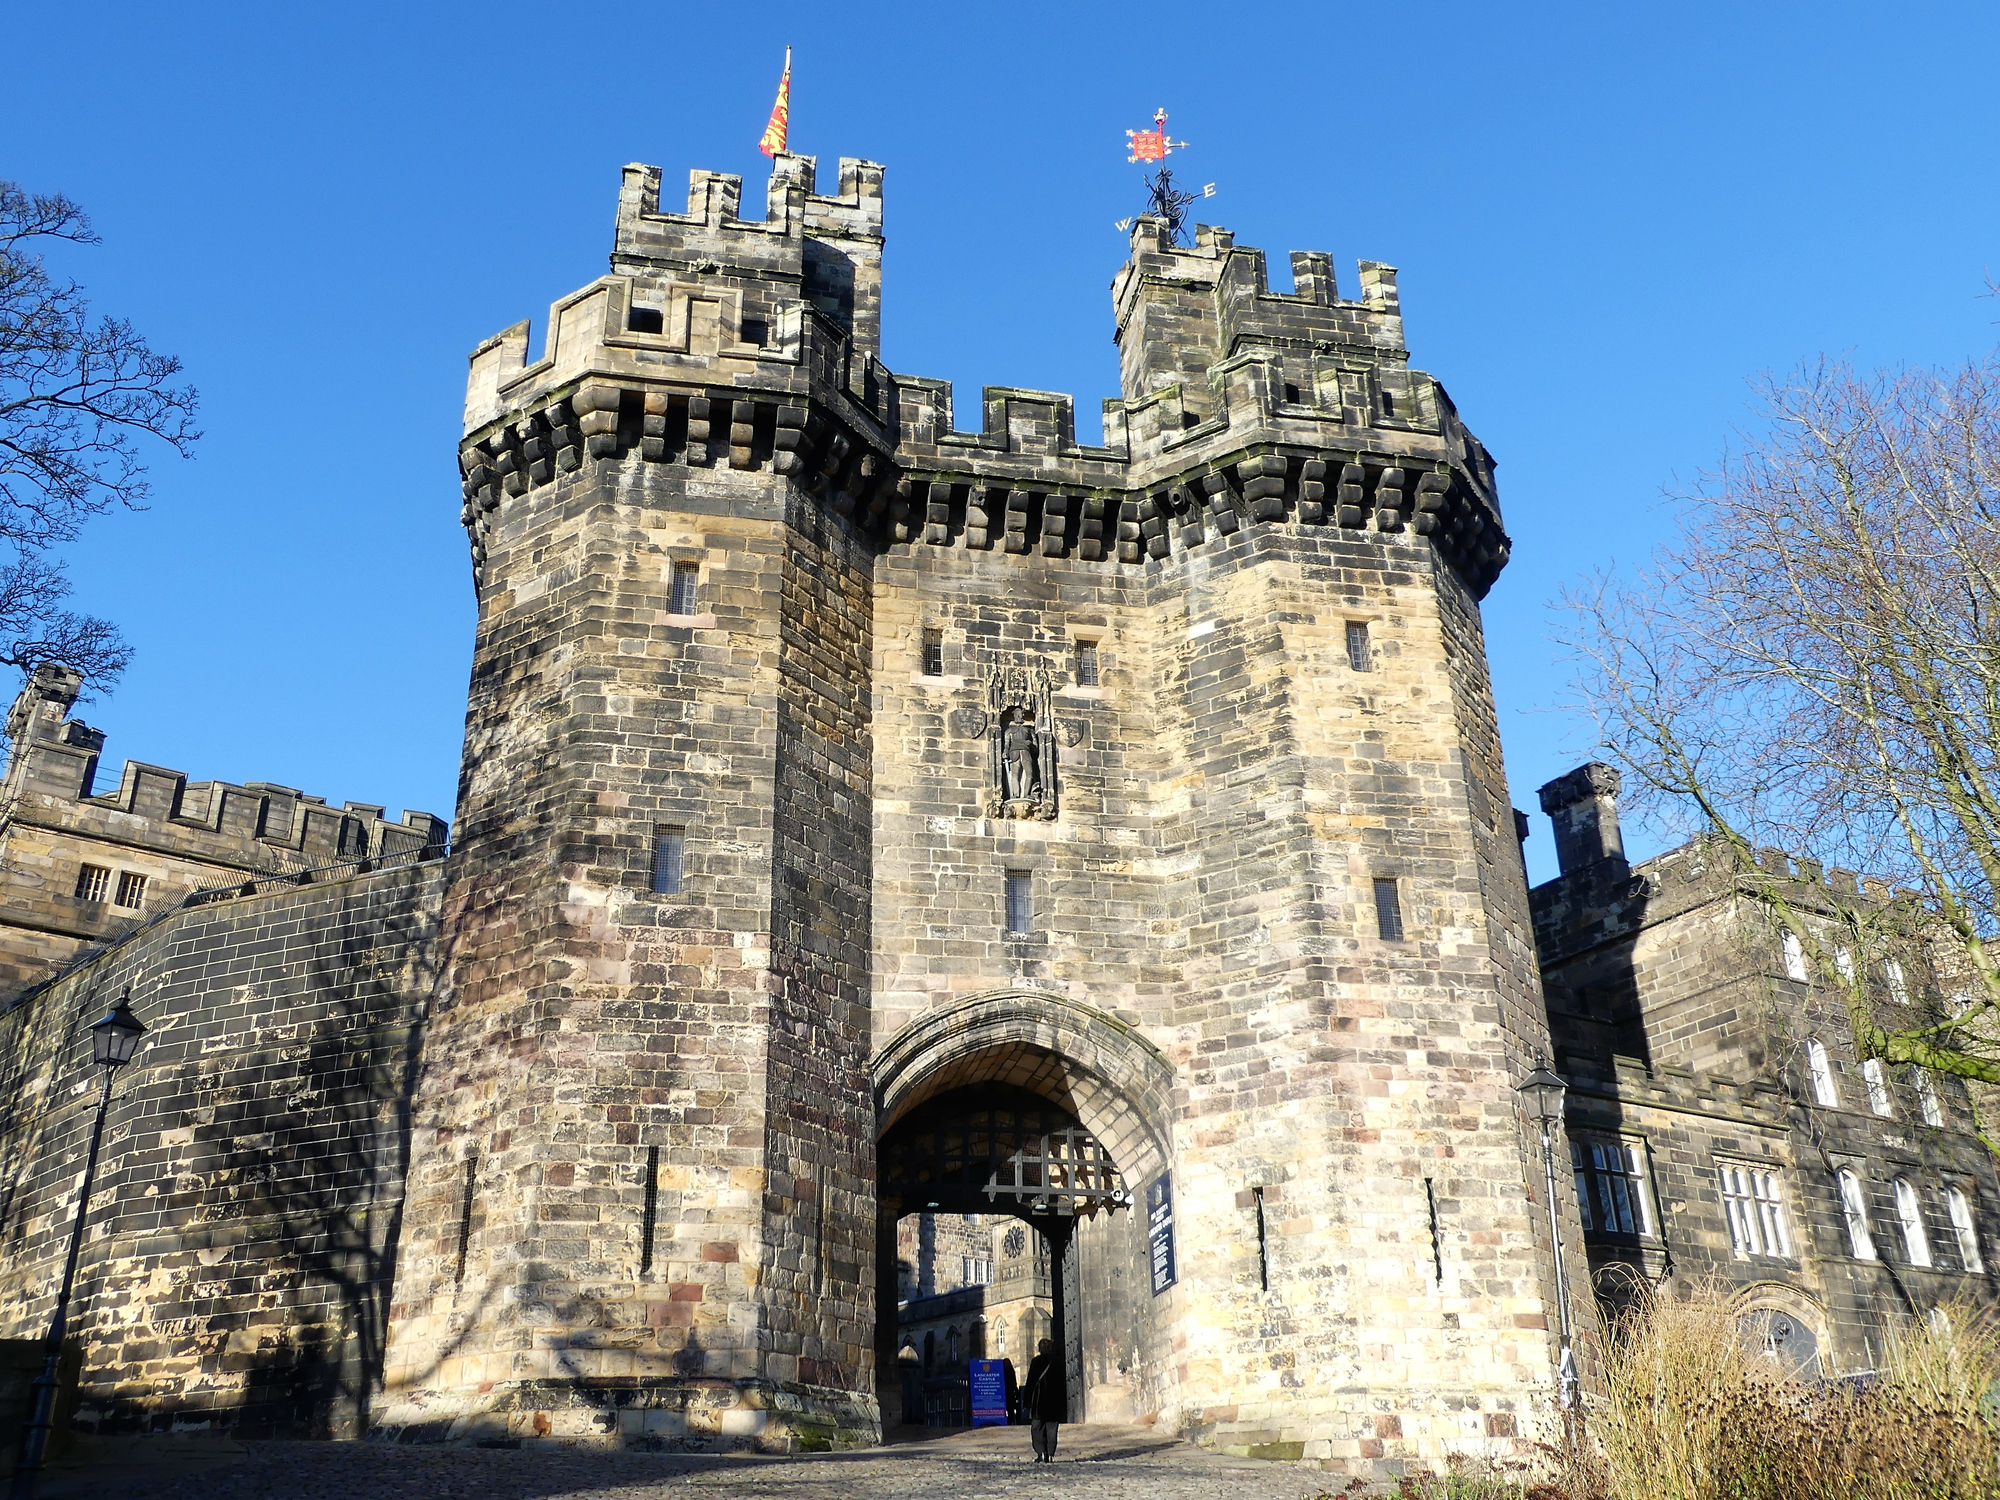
x: 75, y: 394
x: 1814, y: 666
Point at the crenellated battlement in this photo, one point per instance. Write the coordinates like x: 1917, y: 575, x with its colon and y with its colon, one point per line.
x: 156, y: 835
x: 727, y: 343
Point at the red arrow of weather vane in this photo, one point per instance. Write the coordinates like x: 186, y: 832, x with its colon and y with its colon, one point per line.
x: 1152, y: 145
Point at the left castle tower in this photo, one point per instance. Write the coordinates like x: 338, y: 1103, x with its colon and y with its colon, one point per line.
x: 670, y: 664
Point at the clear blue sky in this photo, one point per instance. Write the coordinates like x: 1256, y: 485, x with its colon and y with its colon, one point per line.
x: 1607, y: 217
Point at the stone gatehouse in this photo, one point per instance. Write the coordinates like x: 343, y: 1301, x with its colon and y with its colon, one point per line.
x: 863, y: 816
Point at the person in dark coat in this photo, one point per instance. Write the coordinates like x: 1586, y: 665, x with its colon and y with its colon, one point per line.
x: 1046, y: 1397
x: 1014, y: 1418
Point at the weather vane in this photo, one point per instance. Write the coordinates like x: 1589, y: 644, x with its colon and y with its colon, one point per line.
x: 1163, y: 199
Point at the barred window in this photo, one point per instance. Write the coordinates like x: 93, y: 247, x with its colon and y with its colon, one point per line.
x: 1020, y: 901
x: 1910, y: 1214
x: 686, y: 575
x: 131, y: 889
x: 1854, y: 1209
x: 933, y: 652
x: 1611, y: 1188
x: 1878, y: 1086
x: 1965, y: 1228
x: 1388, y: 911
x: 1086, y: 664
x: 1753, y: 1202
x: 669, y: 860
x: 92, y: 883
x: 1358, y: 655
x: 1820, y: 1066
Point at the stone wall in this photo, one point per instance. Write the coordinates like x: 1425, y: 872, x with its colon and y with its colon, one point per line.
x: 236, y: 1270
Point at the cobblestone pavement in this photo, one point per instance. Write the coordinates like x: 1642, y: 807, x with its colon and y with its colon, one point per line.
x: 1094, y: 1463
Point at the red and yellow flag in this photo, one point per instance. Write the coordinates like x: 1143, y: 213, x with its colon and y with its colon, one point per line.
x: 773, y: 140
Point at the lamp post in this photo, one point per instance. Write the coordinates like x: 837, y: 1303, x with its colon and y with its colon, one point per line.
x: 1543, y: 1090
x: 113, y: 1040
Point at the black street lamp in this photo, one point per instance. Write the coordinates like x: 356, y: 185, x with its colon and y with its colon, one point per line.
x: 113, y: 1040
x: 1542, y: 1091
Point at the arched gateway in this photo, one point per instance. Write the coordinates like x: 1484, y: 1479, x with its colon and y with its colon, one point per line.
x: 1018, y: 1102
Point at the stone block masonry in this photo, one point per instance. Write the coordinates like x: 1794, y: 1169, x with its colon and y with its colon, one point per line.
x: 840, y: 786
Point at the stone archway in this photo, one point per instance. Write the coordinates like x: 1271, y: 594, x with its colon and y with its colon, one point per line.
x: 1099, y: 1077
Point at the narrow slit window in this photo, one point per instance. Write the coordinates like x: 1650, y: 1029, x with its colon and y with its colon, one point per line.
x: 1388, y: 911
x: 1263, y: 1242
x: 669, y: 860
x: 933, y: 652
x: 93, y: 882
x: 686, y: 576
x: 465, y: 1218
x: 1388, y: 404
x: 1358, y: 654
x: 1020, y: 901
x: 131, y: 889
x: 1086, y: 664
x: 650, y: 1221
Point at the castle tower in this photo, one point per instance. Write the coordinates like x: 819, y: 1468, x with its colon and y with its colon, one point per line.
x: 863, y: 816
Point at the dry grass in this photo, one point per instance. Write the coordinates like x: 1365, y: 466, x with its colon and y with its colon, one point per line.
x: 1689, y: 1414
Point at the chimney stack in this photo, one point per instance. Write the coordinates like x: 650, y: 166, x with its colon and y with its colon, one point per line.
x: 1583, y: 805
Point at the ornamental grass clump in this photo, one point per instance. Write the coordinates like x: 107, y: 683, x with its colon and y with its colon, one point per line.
x: 1690, y: 1412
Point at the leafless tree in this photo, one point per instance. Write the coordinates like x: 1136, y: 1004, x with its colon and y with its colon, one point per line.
x: 74, y: 395
x: 1814, y: 666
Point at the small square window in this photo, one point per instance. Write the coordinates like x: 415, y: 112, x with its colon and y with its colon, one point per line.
x: 1388, y: 911
x: 669, y: 860
x: 1358, y: 655
x: 933, y: 652
x: 1086, y: 664
x: 685, y: 577
x: 93, y: 883
x: 131, y: 889
x: 1020, y: 902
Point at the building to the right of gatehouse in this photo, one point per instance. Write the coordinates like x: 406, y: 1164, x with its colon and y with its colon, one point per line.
x: 1724, y: 1129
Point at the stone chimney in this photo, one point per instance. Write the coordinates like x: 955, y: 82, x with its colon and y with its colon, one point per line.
x: 1583, y: 805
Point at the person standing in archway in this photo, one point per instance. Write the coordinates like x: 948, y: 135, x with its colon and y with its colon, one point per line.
x: 1046, y: 1395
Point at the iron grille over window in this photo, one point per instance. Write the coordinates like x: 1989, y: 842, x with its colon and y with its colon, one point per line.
x: 669, y: 860
x: 1611, y: 1187
x: 933, y: 653
x: 1388, y: 911
x: 1086, y: 664
x: 1020, y: 901
x: 131, y: 889
x: 1358, y: 656
x: 92, y: 882
x: 685, y: 577
x: 1754, y: 1205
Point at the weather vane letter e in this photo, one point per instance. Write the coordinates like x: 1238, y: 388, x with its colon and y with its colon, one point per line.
x: 773, y: 139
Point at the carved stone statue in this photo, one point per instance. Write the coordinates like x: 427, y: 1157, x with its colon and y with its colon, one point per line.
x: 1018, y: 768
x: 1021, y: 729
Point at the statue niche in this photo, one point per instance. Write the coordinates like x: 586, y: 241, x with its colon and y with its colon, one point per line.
x: 1022, y: 729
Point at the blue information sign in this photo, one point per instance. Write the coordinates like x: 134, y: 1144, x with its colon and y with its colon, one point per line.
x: 989, y: 1393
x: 1160, y: 1232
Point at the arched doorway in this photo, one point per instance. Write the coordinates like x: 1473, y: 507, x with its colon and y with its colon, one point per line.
x: 1017, y: 1106
x: 997, y: 1151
